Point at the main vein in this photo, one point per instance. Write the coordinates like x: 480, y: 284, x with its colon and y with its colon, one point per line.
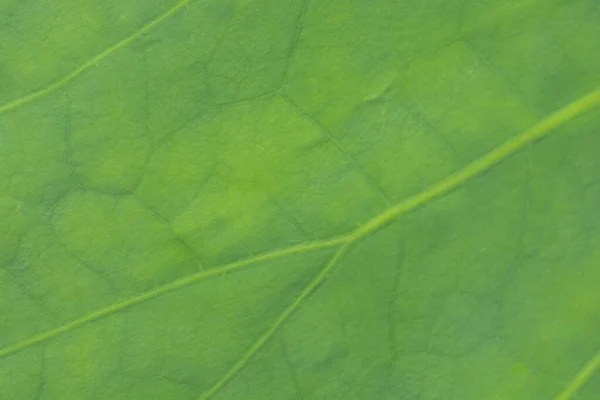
x: 472, y: 170
x: 581, y: 378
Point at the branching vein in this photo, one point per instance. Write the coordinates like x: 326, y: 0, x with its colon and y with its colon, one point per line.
x: 454, y: 181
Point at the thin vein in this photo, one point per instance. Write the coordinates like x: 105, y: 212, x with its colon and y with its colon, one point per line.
x: 94, y: 60
x: 582, y: 377
x: 537, y: 132
x: 294, y: 45
x: 472, y: 170
x: 343, y: 150
x: 178, y: 284
x: 283, y: 317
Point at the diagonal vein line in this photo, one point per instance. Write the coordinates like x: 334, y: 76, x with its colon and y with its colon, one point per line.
x: 582, y: 377
x: 454, y: 181
x: 93, y: 61
x: 161, y: 290
x: 538, y: 131
x: 342, y: 149
x: 484, y: 163
x: 287, y: 312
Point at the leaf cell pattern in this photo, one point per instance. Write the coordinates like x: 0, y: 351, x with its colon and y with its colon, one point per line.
x: 299, y: 200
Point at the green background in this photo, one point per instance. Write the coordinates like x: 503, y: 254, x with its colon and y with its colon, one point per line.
x: 197, y: 199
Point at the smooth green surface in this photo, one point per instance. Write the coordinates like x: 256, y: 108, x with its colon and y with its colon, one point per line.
x: 279, y: 199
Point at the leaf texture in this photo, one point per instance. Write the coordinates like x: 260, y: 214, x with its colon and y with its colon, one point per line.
x: 295, y: 199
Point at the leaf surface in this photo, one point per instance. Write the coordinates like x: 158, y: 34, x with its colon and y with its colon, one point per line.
x: 285, y: 199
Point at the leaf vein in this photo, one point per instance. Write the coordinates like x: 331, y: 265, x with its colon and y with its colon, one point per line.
x: 581, y: 378
x: 283, y: 317
x: 472, y: 170
x: 92, y: 62
x: 169, y: 287
x: 454, y: 181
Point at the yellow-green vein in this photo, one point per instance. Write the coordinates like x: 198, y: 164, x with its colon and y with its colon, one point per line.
x: 472, y: 170
x: 484, y: 163
x: 582, y: 377
x: 268, y: 334
x: 93, y: 61
x: 159, y: 291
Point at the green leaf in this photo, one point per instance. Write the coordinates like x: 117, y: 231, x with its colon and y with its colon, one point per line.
x: 287, y: 199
